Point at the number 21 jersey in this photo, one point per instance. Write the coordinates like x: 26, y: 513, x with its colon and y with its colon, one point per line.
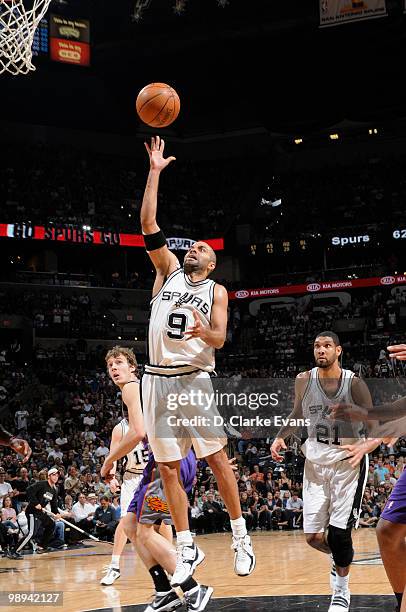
x: 172, y: 314
x: 325, y: 437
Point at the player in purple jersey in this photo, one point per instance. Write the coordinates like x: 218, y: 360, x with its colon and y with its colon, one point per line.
x: 391, y: 529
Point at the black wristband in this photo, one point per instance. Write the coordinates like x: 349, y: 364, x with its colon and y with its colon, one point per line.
x: 154, y: 241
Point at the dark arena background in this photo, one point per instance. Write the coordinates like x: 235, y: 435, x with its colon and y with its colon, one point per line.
x: 291, y: 163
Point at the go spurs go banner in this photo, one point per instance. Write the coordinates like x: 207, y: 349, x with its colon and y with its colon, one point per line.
x: 334, y: 12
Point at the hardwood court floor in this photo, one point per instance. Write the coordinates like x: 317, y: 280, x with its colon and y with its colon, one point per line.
x: 286, y: 566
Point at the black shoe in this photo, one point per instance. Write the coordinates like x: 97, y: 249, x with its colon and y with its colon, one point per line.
x: 197, y: 599
x: 12, y: 554
x: 44, y: 550
x: 164, y: 602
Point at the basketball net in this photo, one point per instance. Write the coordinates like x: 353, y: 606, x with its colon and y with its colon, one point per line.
x: 17, y: 27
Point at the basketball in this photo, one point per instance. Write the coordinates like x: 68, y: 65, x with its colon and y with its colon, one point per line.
x: 158, y: 105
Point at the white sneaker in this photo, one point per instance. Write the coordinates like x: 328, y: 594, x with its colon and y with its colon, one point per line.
x: 187, y: 559
x: 244, y: 557
x: 112, y: 573
x: 340, y: 600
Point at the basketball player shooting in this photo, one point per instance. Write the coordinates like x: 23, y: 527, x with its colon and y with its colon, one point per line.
x: 336, y: 467
x: 188, y: 322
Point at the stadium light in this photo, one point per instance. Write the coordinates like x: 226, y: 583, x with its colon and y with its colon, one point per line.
x: 179, y: 7
x: 298, y: 140
x: 139, y: 8
x: 372, y: 131
x: 333, y: 136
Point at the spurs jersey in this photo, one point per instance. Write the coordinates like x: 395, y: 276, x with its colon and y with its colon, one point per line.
x: 325, y: 436
x: 171, y: 314
x: 137, y: 459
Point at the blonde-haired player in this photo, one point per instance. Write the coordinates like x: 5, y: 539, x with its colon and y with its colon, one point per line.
x: 134, y: 463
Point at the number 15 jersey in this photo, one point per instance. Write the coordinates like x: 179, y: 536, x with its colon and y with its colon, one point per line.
x: 172, y: 314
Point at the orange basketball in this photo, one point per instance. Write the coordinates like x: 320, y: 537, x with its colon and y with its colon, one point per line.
x: 158, y: 105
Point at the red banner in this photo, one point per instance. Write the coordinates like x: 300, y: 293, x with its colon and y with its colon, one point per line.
x: 70, y: 52
x: 81, y: 235
x: 378, y: 281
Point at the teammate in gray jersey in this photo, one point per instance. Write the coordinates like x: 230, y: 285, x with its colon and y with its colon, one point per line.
x: 188, y: 322
x: 336, y: 460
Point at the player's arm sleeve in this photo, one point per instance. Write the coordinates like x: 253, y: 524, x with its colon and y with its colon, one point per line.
x: 301, y: 383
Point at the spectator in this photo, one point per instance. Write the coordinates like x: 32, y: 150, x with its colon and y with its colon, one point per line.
x: 101, y: 451
x: 6, y: 489
x: 72, y: 482
x: 83, y: 512
x: 294, y: 506
x: 104, y: 520
x: 215, y: 516
x: 246, y: 510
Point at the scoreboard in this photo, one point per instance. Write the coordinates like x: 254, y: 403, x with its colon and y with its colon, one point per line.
x: 40, y: 44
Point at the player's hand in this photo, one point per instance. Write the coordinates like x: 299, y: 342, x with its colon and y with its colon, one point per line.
x: 277, y: 445
x: 348, y: 412
x: 197, y: 331
x: 21, y: 447
x: 232, y: 461
x: 397, y: 351
x: 389, y: 441
x: 114, y: 485
x: 359, y: 449
x: 107, y: 467
x: 155, y: 152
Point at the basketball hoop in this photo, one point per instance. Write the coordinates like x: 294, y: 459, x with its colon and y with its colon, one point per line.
x: 18, y: 21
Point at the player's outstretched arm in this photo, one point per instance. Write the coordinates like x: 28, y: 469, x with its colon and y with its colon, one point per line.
x: 386, y: 412
x: 397, y: 351
x: 297, y: 413
x: 164, y: 261
x: 215, y: 335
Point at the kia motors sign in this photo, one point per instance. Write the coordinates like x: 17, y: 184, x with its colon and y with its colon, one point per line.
x: 313, y: 287
x: 356, y: 283
x: 242, y: 294
x: 388, y: 280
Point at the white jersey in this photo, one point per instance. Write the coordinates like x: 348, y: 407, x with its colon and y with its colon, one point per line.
x: 325, y: 436
x: 171, y: 314
x: 137, y: 459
